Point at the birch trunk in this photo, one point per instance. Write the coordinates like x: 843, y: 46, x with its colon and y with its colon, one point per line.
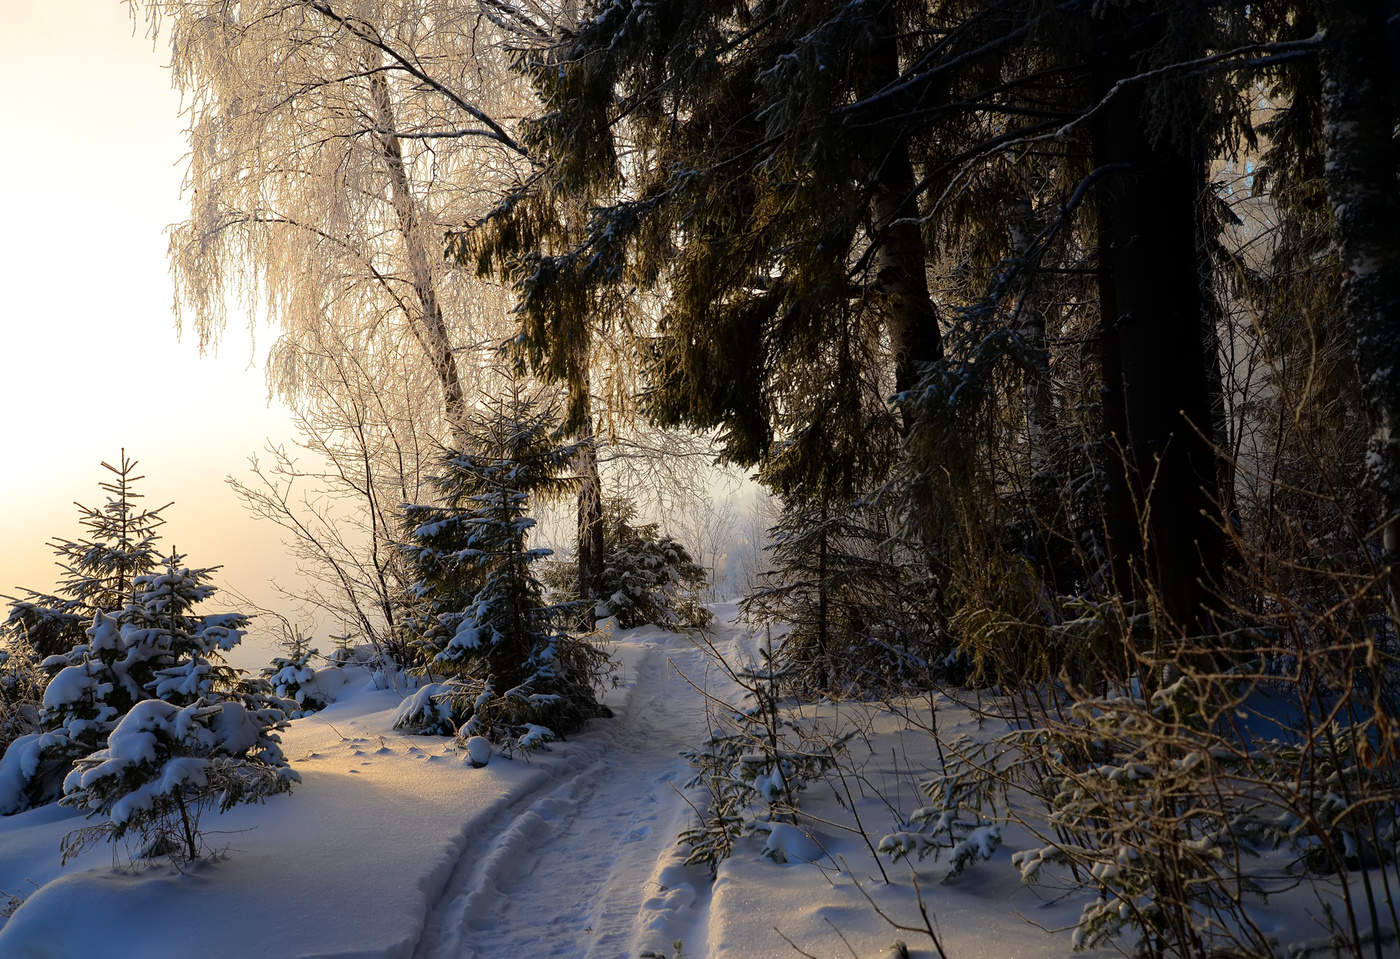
x: 429, y: 328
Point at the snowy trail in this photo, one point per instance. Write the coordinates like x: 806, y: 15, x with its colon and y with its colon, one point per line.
x: 587, y: 864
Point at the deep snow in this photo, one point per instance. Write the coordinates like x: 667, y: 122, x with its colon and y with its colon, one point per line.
x: 396, y: 846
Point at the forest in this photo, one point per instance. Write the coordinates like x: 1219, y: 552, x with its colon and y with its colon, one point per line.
x: 1055, y: 346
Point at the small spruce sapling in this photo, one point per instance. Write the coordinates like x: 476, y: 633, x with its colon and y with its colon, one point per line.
x: 849, y: 590
x: 98, y: 570
x: 648, y: 577
x: 191, y: 741
x: 292, y: 677
x: 754, y: 765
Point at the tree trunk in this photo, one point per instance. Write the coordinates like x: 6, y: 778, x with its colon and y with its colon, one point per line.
x: 1043, y: 494
x: 1030, y: 327
x: 591, y: 548
x: 828, y: 668
x: 1357, y: 114
x: 1163, y: 538
x: 430, y: 329
x: 901, y: 259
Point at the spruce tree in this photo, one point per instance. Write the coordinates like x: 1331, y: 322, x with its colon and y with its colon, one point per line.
x: 515, y: 674
x: 648, y: 577
x: 99, y: 570
x: 181, y: 735
x: 155, y: 647
x: 850, y: 593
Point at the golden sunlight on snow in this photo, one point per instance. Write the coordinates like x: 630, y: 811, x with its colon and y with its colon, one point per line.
x: 91, y: 173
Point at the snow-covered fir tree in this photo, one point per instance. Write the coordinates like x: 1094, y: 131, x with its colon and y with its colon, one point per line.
x: 21, y: 688
x: 155, y: 647
x: 99, y: 570
x: 648, y: 577
x: 188, y: 738
x: 292, y: 677
x: 165, y: 765
x: 515, y: 674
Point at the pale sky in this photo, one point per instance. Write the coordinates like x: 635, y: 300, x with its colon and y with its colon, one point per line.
x: 90, y: 171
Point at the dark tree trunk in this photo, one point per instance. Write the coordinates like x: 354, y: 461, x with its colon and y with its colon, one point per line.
x: 1155, y: 343
x: 1044, y: 489
x: 828, y: 668
x: 1358, y: 113
x: 1030, y: 327
x: 591, y: 548
x: 901, y: 260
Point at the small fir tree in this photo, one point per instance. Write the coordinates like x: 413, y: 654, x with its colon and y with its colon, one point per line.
x: 190, y: 738
x: 515, y: 674
x: 155, y: 647
x: 165, y: 765
x: 293, y: 678
x: 850, y: 594
x: 648, y: 577
x: 99, y: 570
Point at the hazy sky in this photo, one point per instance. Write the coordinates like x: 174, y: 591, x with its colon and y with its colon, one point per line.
x: 90, y: 174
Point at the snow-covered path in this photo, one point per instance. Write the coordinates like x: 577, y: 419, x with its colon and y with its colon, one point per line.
x: 586, y: 864
x: 395, y: 846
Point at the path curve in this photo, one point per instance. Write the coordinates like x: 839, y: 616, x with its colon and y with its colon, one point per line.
x: 586, y: 865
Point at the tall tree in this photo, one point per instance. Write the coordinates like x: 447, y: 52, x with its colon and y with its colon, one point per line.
x: 1359, y: 113
x: 481, y: 614
x: 1157, y: 334
x: 331, y: 146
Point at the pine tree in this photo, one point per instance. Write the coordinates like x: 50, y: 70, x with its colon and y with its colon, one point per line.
x: 99, y: 570
x: 516, y: 675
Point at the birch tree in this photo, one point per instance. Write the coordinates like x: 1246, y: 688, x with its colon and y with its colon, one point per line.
x: 332, y: 145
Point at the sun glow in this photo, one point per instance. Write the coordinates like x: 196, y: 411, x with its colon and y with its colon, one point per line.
x: 89, y: 358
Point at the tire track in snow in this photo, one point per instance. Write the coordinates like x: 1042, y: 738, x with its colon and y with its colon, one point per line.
x: 585, y: 865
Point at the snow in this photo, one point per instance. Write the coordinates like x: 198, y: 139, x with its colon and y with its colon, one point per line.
x: 17, y: 765
x: 393, y: 845
x: 478, y: 751
x: 73, y: 684
x: 789, y: 844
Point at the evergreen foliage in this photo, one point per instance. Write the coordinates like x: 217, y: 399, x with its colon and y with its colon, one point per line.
x: 165, y: 765
x: 293, y: 678
x: 21, y: 690
x: 156, y: 648
x: 180, y: 735
x: 516, y: 676
x: 98, y: 571
x: 755, y: 764
x: 648, y: 577
x: 851, y: 594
